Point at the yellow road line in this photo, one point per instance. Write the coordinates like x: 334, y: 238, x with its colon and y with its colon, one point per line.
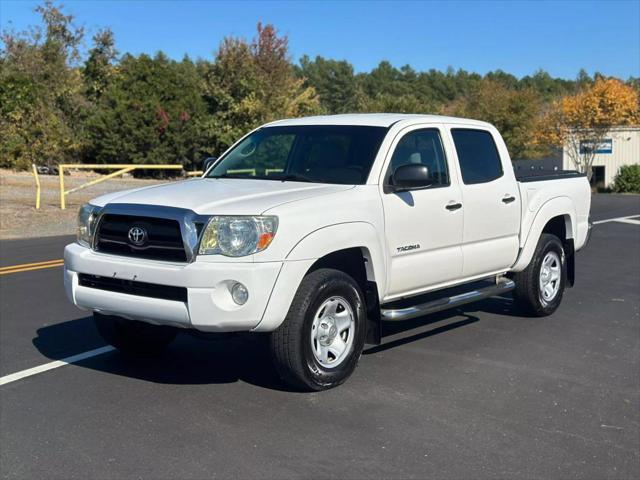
x: 25, y: 267
x: 35, y: 264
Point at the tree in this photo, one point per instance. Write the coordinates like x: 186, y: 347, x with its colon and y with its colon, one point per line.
x: 99, y: 67
x: 580, y: 122
x: 627, y: 179
x: 334, y: 81
x: 149, y: 113
x: 513, y: 112
x: 505, y: 79
x: 546, y: 86
x: 249, y: 84
x: 403, y: 90
x: 41, y: 99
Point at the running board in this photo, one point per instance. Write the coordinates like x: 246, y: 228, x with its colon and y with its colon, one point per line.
x: 503, y: 285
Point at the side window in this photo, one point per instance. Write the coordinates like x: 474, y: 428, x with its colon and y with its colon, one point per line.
x: 477, y: 154
x: 423, y: 147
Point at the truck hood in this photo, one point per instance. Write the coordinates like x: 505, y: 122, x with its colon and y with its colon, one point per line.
x: 222, y: 196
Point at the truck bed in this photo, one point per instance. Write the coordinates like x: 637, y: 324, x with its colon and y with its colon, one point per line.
x: 540, y: 176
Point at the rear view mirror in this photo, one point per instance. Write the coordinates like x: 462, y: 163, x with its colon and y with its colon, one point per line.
x: 208, y: 162
x: 410, y: 177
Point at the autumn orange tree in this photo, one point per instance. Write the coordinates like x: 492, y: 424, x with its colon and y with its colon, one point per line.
x: 580, y: 122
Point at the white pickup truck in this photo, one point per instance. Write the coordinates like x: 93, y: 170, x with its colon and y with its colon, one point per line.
x: 317, y: 230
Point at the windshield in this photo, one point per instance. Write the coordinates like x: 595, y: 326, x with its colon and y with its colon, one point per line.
x: 307, y: 153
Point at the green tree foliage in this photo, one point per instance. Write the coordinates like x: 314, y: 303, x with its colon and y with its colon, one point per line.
x: 513, y: 112
x: 249, y: 84
x: 148, y: 113
x: 41, y: 101
x: 628, y: 179
x: 548, y: 87
x: 59, y: 103
x: 99, y: 68
x: 334, y: 81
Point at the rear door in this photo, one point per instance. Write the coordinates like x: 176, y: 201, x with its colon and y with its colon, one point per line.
x: 491, y: 201
x: 423, y: 227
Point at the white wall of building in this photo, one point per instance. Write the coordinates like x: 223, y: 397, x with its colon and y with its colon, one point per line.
x: 625, y: 151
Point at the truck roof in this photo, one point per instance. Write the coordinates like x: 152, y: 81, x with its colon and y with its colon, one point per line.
x: 374, y: 119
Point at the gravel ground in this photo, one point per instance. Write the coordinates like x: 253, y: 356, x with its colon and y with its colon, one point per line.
x: 20, y: 219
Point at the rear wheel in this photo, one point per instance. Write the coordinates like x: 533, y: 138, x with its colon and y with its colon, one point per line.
x: 132, y: 337
x: 320, y: 341
x: 540, y: 287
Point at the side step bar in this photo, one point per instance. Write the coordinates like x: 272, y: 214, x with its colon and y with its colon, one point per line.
x: 502, y: 285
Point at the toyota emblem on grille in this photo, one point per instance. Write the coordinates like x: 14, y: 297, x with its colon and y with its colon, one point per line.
x: 137, y: 236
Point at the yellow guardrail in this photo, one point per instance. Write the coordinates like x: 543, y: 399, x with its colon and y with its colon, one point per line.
x: 35, y: 174
x: 252, y: 171
x: 120, y: 170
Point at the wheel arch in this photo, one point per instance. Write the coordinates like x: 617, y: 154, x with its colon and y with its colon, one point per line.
x: 356, y: 262
x: 557, y: 217
x: 353, y: 248
x: 353, y: 239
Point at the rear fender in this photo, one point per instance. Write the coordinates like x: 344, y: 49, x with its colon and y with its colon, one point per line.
x: 559, y: 206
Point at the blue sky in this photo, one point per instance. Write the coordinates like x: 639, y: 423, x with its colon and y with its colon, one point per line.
x: 518, y: 37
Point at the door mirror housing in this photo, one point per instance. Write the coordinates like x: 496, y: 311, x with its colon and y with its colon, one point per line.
x: 208, y: 162
x: 410, y: 177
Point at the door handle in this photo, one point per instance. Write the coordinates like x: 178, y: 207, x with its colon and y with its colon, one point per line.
x: 508, y: 199
x: 453, y: 206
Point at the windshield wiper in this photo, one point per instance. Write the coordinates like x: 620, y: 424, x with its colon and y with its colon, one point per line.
x: 288, y: 177
x: 233, y: 175
x: 294, y: 178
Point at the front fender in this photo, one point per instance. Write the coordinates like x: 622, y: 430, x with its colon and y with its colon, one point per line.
x: 340, y: 236
x: 316, y: 245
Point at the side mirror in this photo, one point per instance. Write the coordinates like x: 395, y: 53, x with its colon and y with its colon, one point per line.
x: 410, y: 177
x: 207, y: 163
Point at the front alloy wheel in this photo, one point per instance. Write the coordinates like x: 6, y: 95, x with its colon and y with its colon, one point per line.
x: 332, y: 332
x: 320, y: 341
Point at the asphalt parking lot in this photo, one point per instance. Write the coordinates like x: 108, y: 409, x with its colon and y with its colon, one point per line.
x: 473, y: 393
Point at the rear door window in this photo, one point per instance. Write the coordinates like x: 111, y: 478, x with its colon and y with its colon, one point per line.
x: 477, y: 154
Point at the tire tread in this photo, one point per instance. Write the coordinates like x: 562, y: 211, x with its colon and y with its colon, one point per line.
x: 286, y: 340
x: 526, y: 293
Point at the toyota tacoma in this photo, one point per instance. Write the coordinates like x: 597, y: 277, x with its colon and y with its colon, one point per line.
x: 317, y: 231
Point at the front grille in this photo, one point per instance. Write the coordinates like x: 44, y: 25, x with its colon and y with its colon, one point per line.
x: 164, y: 240
x: 142, y: 289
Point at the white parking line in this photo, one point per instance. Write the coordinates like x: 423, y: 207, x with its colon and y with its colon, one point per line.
x: 631, y: 221
x: 58, y: 363
x: 628, y: 219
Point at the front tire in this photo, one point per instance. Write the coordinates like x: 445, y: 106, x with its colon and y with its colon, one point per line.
x: 318, y: 345
x: 540, y: 286
x: 132, y: 337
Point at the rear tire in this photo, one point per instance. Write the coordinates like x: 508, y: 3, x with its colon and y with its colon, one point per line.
x: 318, y: 345
x: 132, y: 337
x: 540, y: 286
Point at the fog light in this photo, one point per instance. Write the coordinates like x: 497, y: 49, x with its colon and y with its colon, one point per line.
x: 239, y: 293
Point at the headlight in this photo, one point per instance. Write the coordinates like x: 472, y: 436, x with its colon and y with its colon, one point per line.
x: 86, y: 224
x: 237, y: 236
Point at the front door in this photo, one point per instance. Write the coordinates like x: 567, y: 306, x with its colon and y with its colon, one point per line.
x: 423, y: 227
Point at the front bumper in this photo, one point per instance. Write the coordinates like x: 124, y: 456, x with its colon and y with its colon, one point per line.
x: 209, y: 306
